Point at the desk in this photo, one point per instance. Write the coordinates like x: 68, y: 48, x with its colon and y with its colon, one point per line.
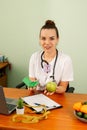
x: 3, y: 75
x: 62, y: 118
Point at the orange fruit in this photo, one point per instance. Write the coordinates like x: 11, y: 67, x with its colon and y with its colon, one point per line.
x: 77, y: 106
x: 84, y: 108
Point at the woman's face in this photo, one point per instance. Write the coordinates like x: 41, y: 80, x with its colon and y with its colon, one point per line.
x: 48, y: 39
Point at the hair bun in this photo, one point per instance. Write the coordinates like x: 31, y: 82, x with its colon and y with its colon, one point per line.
x: 50, y: 22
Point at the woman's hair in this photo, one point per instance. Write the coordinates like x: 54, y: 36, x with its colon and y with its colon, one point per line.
x: 49, y: 24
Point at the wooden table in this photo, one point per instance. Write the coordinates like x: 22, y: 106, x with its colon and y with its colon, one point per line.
x: 3, y: 64
x: 59, y: 119
x: 3, y: 75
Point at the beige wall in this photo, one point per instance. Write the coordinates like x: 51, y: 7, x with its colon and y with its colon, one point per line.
x: 20, y: 22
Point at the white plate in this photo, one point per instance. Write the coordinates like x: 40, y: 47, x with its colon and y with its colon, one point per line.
x: 81, y: 119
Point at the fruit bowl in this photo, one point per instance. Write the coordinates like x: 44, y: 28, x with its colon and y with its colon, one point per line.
x: 80, y: 110
x: 80, y: 118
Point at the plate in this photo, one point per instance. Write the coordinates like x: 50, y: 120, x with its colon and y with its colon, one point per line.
x: 80, y: 118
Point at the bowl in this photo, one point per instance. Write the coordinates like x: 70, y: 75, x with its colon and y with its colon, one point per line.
x: 80, y: 118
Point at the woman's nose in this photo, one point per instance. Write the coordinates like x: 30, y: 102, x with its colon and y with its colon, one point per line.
x: 47, y: 41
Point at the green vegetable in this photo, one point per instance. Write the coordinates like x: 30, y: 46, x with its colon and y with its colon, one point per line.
x: 84, y: 103
x: 85, y: 116
x: 78, y: 113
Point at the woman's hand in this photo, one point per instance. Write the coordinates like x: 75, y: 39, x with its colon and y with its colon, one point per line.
x: 48, y: 93
x: 50, y: 88
x: 59, y: 89
x: 32, y: 88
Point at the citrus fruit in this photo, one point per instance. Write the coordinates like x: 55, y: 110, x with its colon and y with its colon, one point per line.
x: 51, y: 86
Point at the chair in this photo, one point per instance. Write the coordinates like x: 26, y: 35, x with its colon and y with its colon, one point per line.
x: 20, y: 85
x: 69, y: 89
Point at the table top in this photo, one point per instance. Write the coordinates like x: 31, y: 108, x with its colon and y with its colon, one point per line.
x: 3, y: 64
x: 62, y: 118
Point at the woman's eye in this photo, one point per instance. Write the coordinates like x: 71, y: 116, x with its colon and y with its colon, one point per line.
x: 43, y: 38
x: 51, y: 38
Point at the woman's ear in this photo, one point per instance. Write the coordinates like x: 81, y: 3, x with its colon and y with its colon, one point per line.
x: 57, y: 41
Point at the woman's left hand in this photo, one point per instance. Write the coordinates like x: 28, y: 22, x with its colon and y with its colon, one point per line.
x: 48, y: 93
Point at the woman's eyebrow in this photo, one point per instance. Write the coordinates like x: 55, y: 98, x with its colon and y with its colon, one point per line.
x: 52, y: 36
x: 49, y: 36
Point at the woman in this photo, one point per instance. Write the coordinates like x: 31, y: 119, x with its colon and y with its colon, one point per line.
x: 50, y: 64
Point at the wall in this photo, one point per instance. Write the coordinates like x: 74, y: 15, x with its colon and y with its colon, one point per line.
x: 20, y: 22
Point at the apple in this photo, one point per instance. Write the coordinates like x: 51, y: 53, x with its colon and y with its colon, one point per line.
x: 51, y: 86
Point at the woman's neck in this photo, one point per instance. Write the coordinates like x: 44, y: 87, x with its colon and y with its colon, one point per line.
x: 48, y: 56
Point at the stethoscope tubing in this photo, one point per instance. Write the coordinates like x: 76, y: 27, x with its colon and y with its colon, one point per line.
x: 42, y: 60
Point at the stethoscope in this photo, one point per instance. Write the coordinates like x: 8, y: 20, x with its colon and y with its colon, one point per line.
x: 44, y: 61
